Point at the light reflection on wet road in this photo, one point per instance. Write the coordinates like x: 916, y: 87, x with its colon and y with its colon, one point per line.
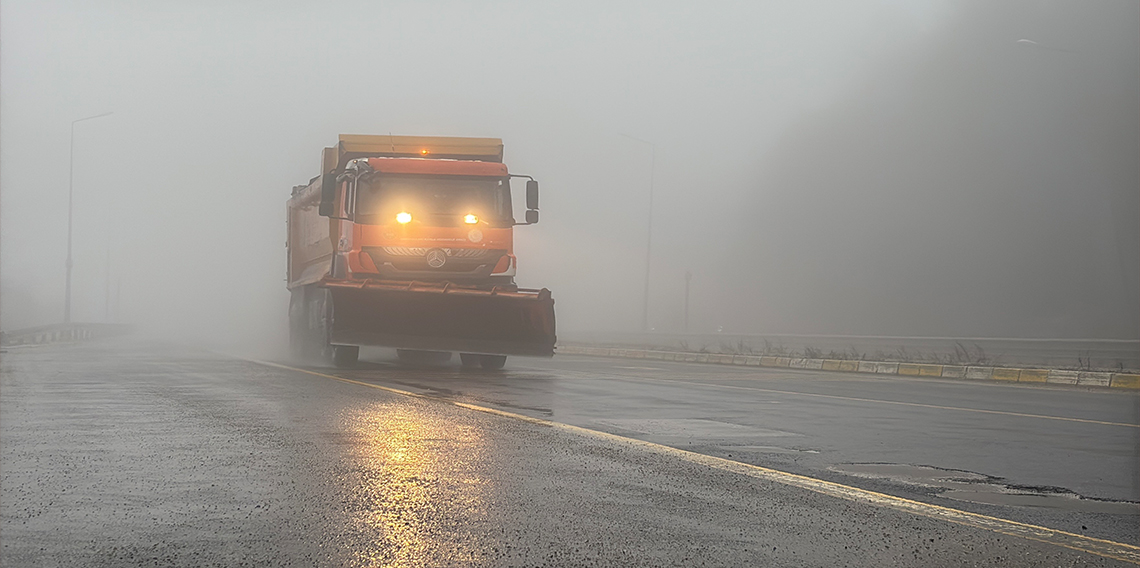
x: 406, y: 468
x: 121, y: 454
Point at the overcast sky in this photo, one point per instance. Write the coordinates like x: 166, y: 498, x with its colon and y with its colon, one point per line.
x: 880, y: 167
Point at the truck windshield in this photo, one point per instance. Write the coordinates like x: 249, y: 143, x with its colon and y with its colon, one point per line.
x: 438, y: 201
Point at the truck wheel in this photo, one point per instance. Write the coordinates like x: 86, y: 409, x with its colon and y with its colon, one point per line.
x: 344, y: 356
x: 492, y: 362
x: 319, y: 317
x: 469, y: 360
x: 298, y: 322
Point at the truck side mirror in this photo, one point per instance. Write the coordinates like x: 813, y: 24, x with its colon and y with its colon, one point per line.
x: 531, y: 216
x: 531, y: 194
x: 328, y: 195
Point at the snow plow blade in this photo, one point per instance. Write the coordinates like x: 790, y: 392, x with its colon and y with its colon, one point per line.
x: 442, y: 317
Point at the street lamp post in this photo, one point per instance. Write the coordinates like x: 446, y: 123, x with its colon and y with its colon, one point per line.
x: 70, y: 203
x: 649, y: 232
x: 688, y: 279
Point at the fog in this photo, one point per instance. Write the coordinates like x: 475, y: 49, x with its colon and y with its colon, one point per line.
x: 887, y: 167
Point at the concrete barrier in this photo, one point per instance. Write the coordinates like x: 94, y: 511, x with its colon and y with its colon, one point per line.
x: 62, y: 332
x: 1005, y: 374
x: 1094, y: 379
x: 953, y: 372
x: 1011, y: 374
x: 1061, y: 377
x: 979, y: 373
x: 1125, y: 381
x: 920, y: 370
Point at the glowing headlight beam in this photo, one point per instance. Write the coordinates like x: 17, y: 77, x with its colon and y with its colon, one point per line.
x: 470, y: 219
x: 403, y: 217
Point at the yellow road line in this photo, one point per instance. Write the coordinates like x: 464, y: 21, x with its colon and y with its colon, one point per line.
x: 855, y: 398
x: 1100, y: 547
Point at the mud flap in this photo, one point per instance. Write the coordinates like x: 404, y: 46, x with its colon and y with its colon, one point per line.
x: 443, y: 317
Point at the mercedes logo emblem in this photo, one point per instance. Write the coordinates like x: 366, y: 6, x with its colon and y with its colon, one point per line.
x: 436, y: 258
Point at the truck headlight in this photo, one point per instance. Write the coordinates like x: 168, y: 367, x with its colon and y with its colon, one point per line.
x: 403, y: 217
x: 470, y: 219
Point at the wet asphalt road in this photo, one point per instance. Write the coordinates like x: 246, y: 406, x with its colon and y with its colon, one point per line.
x: 117, y: 453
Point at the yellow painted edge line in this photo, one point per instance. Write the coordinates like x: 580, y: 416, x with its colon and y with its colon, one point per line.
x: 1100, y: 547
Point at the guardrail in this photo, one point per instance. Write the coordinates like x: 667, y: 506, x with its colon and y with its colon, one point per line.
x: 965, y: 372
x: 62, y: 332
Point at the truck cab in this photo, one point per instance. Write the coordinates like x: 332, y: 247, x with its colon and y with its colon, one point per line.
x: 429, y: 220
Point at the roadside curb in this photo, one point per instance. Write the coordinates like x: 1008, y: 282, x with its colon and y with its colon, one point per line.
x: 962, y: 372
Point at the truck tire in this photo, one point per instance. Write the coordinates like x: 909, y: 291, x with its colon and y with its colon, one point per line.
x: 298, y: 319
x: 345, y: 356
x: 492, y: 362
x: 318, y: 321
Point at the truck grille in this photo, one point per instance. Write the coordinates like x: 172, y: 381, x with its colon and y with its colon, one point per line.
x: 451, y: 252
x: 404, y: 263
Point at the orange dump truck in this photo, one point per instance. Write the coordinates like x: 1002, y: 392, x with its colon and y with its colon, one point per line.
x: 408, y: 242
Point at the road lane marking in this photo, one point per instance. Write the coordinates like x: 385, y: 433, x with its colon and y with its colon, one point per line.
x: 1100, y: 547
x: 851, y: 398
